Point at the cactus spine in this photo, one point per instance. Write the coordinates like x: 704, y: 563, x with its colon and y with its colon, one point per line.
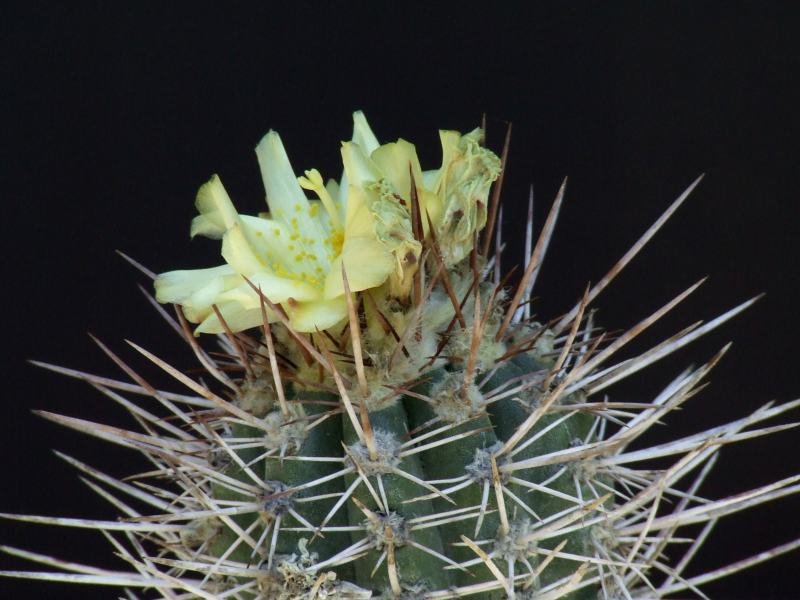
x: 387, y: 421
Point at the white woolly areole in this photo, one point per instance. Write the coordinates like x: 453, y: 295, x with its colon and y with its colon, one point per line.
x: 388, y: 453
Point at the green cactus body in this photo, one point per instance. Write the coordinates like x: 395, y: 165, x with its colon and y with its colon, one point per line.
x: 387, y: 492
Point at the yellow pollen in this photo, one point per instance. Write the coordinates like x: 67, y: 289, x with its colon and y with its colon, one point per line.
x: 335, y: 241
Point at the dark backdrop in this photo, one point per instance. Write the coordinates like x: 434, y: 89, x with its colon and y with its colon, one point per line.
x: 114, y: 113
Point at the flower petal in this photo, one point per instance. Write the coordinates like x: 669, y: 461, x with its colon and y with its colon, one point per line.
x: 217, y: 213
x: 358, y: 166
x: 196, y: 290
x: 289, y: 205
x: 367, y: 263
x: 362, y: 133
x: 394, y: 161
x: 237, y: 318
x: 363, y: 137
x: 269, y: 238
x: 239, y: 254
x: 276, y: 289
x: 285, y: 197
x: 317, y: 315
x: 178, y: 286
x: 359, y: 221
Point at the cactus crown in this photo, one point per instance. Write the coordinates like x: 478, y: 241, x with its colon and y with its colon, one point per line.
x: 388, y: 421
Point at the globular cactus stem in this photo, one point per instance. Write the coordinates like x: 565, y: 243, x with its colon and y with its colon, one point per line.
x: 387, y: 421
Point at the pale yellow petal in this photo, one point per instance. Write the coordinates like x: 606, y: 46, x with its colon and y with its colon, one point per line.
x: 239, y: 254
x: 275, y: 289
x: 358, y: 166
x: 359, y: 221
x: 217, y: 213
x: 333, y: 189
x: 367, y: 263
x: 280, y: 182
x: 395, y: 162
x: 289, y: 205
x: 196, y: 315
x: 362, y: 133
x: 430, y: 203
x: 269, y: 238
x: 431, y: 207
x: 237, y: 318
x: 198, y: 305
x: 449, y: 141
x: 196, y: 290
x: 177, y: 286
x: 317, y: 315
x: 429, y: 178
x: 285, y: 197
x: 363, y: 137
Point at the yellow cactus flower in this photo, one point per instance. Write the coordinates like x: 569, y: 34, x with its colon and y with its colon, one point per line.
x: 296, y: 253
x: 454, y: 197
x: 461, y: 187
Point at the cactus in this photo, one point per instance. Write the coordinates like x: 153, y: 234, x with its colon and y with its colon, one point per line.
x: 383, y: 417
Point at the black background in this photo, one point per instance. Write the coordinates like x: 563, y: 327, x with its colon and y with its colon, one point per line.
x: 114, y: 113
